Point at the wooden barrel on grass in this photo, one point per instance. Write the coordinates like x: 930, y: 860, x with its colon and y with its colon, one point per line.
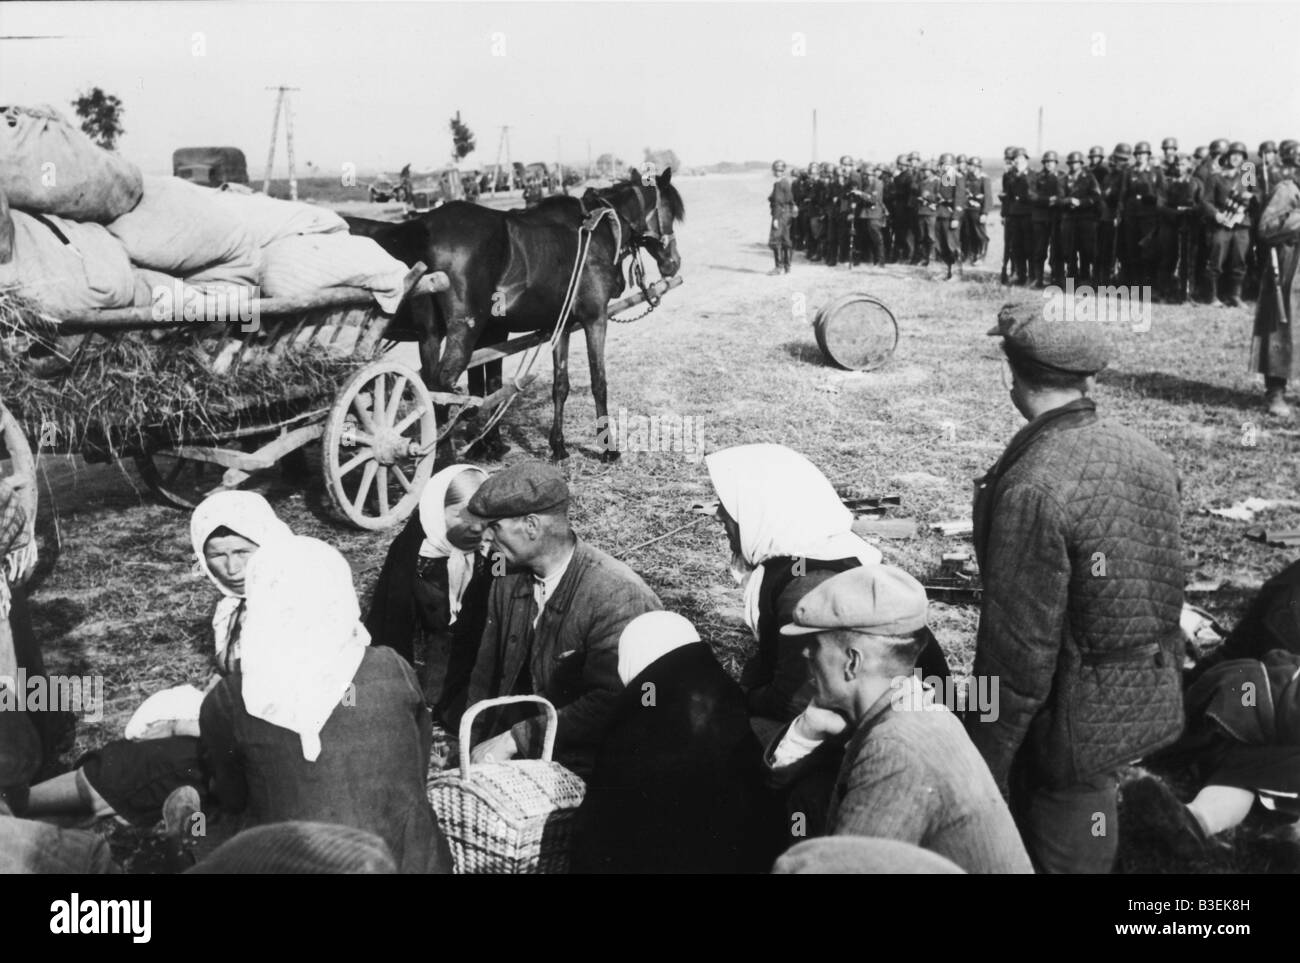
x: 856, y: 332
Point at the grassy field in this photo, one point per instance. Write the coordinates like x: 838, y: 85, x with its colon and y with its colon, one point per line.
x: 733, y: 349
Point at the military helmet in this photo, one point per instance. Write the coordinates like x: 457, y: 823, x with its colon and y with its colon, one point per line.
x: 1096, y: 152
x: 1237, y: 147
x: 1201, y: 152
x: 778, y: 165
x: 1123, y: 150
x: 946, y: 160
x: 1141, y: 147
x: 961, y: 158
x: 824, y: 168
x: 1288, y: 150
x: 1050, y: 156
x: 1074, y: 157
x: 846, y: 160
x: 1169, y: 143
x: 975, y: 160
x: 1219, y: 145
x: 1268, y: 147
x: 1020, y: 152
x: 914, y: 156
x: 1009, y: 153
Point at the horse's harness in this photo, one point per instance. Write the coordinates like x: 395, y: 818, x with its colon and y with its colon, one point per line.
x: 636, y: 275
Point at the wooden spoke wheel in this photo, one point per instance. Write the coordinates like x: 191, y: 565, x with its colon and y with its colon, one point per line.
x: 178, y: 482
x: 370, y: 456
x: 856, y: 332
x: 22, y: 474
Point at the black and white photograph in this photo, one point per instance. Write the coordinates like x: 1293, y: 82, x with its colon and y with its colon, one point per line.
x: 607, y: 437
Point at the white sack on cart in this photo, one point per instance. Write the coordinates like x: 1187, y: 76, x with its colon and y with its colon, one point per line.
x: 50, y: 167
x: 186, y: 231
x: 302, y: 266
x: 270, y: 219
x: 67, y: 266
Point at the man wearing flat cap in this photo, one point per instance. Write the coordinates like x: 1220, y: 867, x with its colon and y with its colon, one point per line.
x: 553, y: 621
x: 1076, y: 533
x: 908, y: 771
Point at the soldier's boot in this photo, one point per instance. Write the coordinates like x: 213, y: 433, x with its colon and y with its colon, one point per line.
x: 1275, y: 398
x: 776, y: 256
x: 785, y: 259
x: 1233, y: 296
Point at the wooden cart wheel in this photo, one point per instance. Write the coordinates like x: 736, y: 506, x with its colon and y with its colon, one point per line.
x: 372, y: 475
x: 23, y: 475
x: 856, y: 332
x: 178, y: 482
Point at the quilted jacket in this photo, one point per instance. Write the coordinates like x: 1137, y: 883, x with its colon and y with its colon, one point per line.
x: 1076, y: 532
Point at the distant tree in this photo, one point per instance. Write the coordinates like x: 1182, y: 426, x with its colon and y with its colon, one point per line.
x: 101, y: 116
x: 462, y: 137
x: 607, y: 165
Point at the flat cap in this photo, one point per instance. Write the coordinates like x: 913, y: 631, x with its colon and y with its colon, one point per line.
x: 1067, y: 346
x: 877, y: 599
x: 527, y: 488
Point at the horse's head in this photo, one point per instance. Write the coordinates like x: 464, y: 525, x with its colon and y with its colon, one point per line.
x: 652, y: 208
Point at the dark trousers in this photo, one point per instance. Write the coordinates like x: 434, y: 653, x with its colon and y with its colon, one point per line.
x: 1041, y: 241
x: 831, y: 239
x: 904, y: 235
x: 976, y: 236
x: 1227, y: 257
x: 872, y: 241
x: 1141, y: 251
x: 1071, y: 830
x: 949, y: 239
x: 1079, y: 244
x: 1107, y: 233
x: 924, y: 238
x: 1018, y: 241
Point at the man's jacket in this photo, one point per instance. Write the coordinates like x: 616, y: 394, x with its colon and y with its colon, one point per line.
x: 1076, y: 532
x: 570, y: 658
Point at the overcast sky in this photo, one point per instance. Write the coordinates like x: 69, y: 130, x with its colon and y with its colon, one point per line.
x: 713, y: 81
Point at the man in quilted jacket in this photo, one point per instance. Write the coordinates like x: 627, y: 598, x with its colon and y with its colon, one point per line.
x: 1076, y: 532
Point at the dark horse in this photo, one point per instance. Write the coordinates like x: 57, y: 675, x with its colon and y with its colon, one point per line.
x: 509, y: 272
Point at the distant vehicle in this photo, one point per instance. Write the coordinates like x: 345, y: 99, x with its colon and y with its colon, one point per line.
x: 433, y: 189
x: 210, y: 166
x: 383, y: 189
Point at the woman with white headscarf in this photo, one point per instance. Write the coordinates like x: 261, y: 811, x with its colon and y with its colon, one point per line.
x: 132, y: 778
x: 789, y: 531
x: 430, y: 602
x: 315, y: 724
x: 225, y: 530
x: 678, y: 784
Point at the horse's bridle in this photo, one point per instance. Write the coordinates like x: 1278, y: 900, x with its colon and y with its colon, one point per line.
x: 635, y: 240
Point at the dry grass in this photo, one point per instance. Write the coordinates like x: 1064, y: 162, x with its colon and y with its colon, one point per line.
x: 726, y: 348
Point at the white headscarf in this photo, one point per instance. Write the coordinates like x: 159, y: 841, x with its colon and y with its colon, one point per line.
x: 784, y: 506
x: 247, y: 514
x: 303, y: 639
x: 433, y: 519
x: 649, y: 637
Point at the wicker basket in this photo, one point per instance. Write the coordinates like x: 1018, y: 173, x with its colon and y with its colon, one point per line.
x: 508, y: 817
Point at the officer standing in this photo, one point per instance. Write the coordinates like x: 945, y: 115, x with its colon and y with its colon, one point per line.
x: 1181, y: 215
x: 925, y: 210
x: 1227, y: 210
x: 782, y: 208
x: 1143, y: 197
x: 1169, y: 147
x: 1081, y: 206
x: 850, y: 188
x: 873, y: 217
x: 1276, y: 316
x: 801, y: 188
x: 952, y: 202
x: 1044, y: 189
x: 816, y: 205
x: 979, y: 198
x: 1017, y: 240
x: 832, y: 192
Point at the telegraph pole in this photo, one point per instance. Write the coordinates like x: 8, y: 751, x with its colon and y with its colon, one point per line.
x: 281, y: 104
x: 1040, y: 132
x: 814, y: 143
x: 503, y: 143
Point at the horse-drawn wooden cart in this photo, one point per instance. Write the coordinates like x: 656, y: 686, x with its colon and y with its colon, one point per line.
x: 378, y: 426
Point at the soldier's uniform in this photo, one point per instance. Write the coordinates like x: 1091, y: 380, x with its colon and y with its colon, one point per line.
x: 1044, y: 190
x: 832, y: 193
x: 1110, y: 227
x: 1181, y: 216
x: 816, y: 213
x: 1141, y: 202
x: 952, y: 202
x: 802, y: 189
x: 782, y: 208
x: 925, y: 206
x: 979, y: 203
x: 906, y: 183
x: 871, y: 226
x: 1081, y: 208
x: 1205, y: 172
x: 850, y: 188
x: 1015, y: 216
x: 1227, y: 210
x: 1276, y: 315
